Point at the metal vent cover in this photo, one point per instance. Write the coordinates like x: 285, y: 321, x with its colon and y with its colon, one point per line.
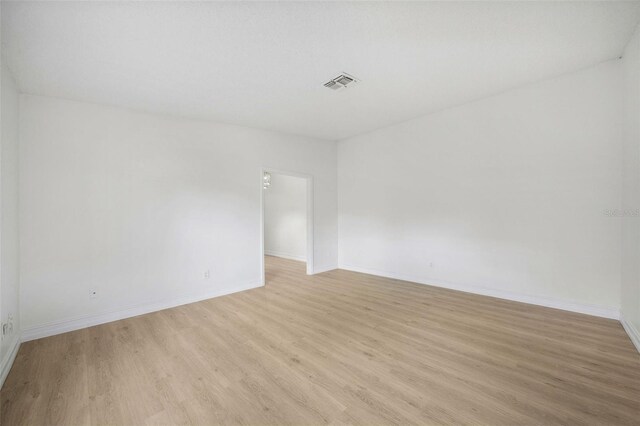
x: 340, y: 82
x: 333, y: 85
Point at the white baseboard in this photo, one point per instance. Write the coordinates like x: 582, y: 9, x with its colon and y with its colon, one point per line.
x: 77, y: 323
x: 316, y: 270
x: 631, y: 330
x: 10, y: 356
x: 285, y: 255
x: 321, y: 269
x: 598, y: 311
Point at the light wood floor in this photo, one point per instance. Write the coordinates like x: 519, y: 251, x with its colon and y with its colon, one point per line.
x: 337, y: 348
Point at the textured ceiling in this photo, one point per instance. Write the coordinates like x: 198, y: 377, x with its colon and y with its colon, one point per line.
x: 264, y: 64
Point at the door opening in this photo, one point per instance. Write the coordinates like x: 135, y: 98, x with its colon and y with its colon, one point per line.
x: 287, y: 220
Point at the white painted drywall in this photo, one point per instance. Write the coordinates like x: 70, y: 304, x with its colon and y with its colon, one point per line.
x: 506, y: 195
x: 9, y: 276
x: 285, y: 217
x: 631, y: 188
x: 139, y: 206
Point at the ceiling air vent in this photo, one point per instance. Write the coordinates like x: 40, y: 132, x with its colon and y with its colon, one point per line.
x: 340, y: 82
x: 333, y: 85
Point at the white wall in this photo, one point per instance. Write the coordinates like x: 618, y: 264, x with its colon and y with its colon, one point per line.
x: 505, y: 195
x: 139, y: 206
x: 9, y: 305
x: 631, y: 190
x: 285, y: 217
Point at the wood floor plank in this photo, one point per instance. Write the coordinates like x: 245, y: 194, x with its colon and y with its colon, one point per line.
x: 335, y: 348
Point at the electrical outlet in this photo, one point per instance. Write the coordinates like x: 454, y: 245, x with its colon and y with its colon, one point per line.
x: 93, y: 294
x: 207, y: 274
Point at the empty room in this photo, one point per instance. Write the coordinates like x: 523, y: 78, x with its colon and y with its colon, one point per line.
x: 319, y: 213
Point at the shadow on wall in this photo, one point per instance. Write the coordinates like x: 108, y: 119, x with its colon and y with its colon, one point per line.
x: 285, y: 217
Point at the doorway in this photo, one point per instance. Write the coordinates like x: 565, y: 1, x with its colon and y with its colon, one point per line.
x: 287, y: 219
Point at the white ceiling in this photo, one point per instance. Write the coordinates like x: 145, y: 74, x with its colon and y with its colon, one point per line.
x: 263, y: 64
